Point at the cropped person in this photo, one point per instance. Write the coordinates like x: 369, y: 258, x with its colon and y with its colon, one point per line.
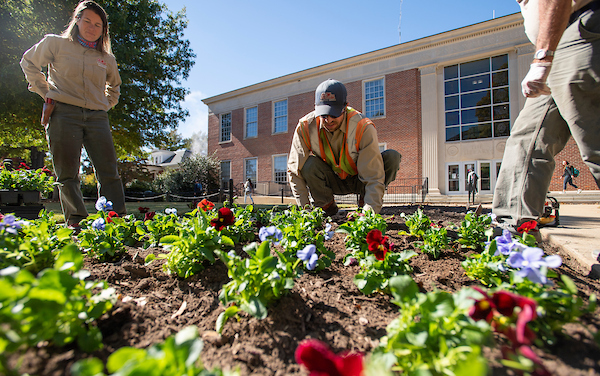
x: 563, y: 91
x: 83, y: 83
x: 248, y: 188
x: 335, y: 151
x: 567, y: 176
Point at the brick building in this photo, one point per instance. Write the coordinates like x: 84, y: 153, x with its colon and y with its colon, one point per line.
x: 445, y: 102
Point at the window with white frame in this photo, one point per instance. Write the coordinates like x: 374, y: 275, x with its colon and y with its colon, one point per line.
x: 250, y: 169
x: 476, y: 99
x: 225, y: 172
x: 280, y: 168
x: 382, y: 147
x: 280, y: 115
x: 225, y: 134
x: 251, y: 122
x: 374, y: 98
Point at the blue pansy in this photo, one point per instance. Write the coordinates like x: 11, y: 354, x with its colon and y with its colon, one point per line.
x: 270, y: 233
x: 309, y: 255
x: 103, y: 205
x: 328, y: 233
x: 530, y: 261
x: 99, y: 224
x: 10, y: 224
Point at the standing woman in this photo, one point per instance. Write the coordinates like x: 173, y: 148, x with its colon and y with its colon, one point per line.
x: 83, y: 83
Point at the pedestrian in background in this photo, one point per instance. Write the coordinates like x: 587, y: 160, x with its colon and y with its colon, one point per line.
x: 472, y: 179
x: 83, y: 83
x: 248, y: 189
x: 568, y: 174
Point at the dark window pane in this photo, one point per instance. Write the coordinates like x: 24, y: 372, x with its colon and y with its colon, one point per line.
x: 476, y: 115
x: 452, y: 118
x: 451, y: 72
x: 502, y: 129
x: 453, y: 134
x: 501, y: 112
x: 500, y: 79
x: 477, y: 131
x: 475, y: 83
x: 474, y: 67
x: 451, y: 87
x: 500, y: 62
x: 501, y: 95
x: 480, y: 98
x: 452, y: 103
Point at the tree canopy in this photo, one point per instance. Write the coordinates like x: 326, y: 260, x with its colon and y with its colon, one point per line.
x: 153, y: 57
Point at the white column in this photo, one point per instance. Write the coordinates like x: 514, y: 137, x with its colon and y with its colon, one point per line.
x: 429, y: 127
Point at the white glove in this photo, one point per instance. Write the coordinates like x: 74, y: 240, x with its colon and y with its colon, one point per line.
x: 534, y: 84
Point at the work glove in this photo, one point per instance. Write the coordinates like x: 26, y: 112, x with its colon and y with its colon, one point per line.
x: 46, y: 112
x: 534, y: 84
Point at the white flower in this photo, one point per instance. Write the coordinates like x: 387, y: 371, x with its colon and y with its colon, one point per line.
x: 171, y: 211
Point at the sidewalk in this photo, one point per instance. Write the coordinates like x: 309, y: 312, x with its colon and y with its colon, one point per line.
x: 578, y: 234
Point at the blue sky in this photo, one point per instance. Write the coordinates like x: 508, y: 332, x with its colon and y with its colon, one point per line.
x: 241, y: 43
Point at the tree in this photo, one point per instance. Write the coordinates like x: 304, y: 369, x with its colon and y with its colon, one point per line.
x: 153, y: 59
x: 203, y: 168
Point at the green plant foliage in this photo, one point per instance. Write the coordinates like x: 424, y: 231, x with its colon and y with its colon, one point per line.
x: 433, y: 334
x: 35, y: 247
x: 26, y: 180
x: 152, y: 230
x: 255, y: 281
x: 196, y: 242
x: 472, y: 230
x: 375, y: 275
x: 57, y: 305
x: 244, y: 228
x: 108, y: 244
x: 301, y: 228
x: 418, y: 223
x: 435, y: 239
x: 357, y: 228
x: 486, y: 267
x: 177, y: 355
x: 203, y: 168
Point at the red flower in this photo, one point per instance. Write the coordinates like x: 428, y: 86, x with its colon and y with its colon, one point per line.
x: 321, y: 361
x: 22, y: 165
x: 143, y: 209
x: 205, y: 205
x: 224, y: 218
x: 111, y: 214
x: 528, y: 226
x: 149, y: 216
x: 505, y: 303
x: 378, y: 244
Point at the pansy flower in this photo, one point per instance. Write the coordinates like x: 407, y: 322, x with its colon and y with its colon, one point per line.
x: 99, y: 224
x: 530, y: 226
x: 378, y: 244
x: 10, y: 224
x: 205, y: 205
x: 149, y: 216
x: 270, y: 233
x: 224, y: 218
x: 171, y: 211
x: 143, y: 209
x: 328, y: 233
x: 321, y: 361
x: 111, y: 215
x: 504, y: 303
x: 309, y: 255
x: 103, y: 205
x: 530, y: 262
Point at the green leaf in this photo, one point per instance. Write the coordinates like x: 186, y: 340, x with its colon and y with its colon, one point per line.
x: 255, y: 307
x: 90, y: 340
x: 151, y: 257
x: 169, y: 239
x: 264, y: 250
x: 88, y: 367
x: 227, y: 241
x: 417, y: 339
x: 224, y: 316
x: 118, y: 359
x: 403, y: 288
x: 268, y: 264
x: 69, y: 254
x: 569, y: 284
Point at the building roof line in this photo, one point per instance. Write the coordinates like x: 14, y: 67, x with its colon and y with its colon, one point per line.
x: 425, y: 43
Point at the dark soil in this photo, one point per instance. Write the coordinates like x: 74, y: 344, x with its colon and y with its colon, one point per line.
x: 324, y: 305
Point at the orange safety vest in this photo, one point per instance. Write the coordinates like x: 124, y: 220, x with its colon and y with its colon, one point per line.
x: 343, y: 165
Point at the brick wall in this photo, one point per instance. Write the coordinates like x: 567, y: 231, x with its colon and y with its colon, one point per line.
x: 570, y: 153
x: 400, y: 128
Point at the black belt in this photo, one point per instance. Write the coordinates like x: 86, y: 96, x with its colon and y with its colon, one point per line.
x: 593, y: 6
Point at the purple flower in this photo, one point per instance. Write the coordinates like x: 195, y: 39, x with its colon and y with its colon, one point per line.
x: 99, y: 224
x: 103, y: 205
x: 10, y: 224
x: 328, y: 233
x: 270, y: 233
x: 530, y: 261
x: 309, y: 255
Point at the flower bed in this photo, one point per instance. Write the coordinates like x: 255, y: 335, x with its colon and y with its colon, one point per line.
x: 324, y: 304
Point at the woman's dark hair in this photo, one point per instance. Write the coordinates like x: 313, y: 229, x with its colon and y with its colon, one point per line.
x: 72, y: 30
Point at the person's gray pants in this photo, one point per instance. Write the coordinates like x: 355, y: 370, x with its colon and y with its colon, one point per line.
x: 323, y: 182
x: 69, y: 129
x: 546, y: 123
